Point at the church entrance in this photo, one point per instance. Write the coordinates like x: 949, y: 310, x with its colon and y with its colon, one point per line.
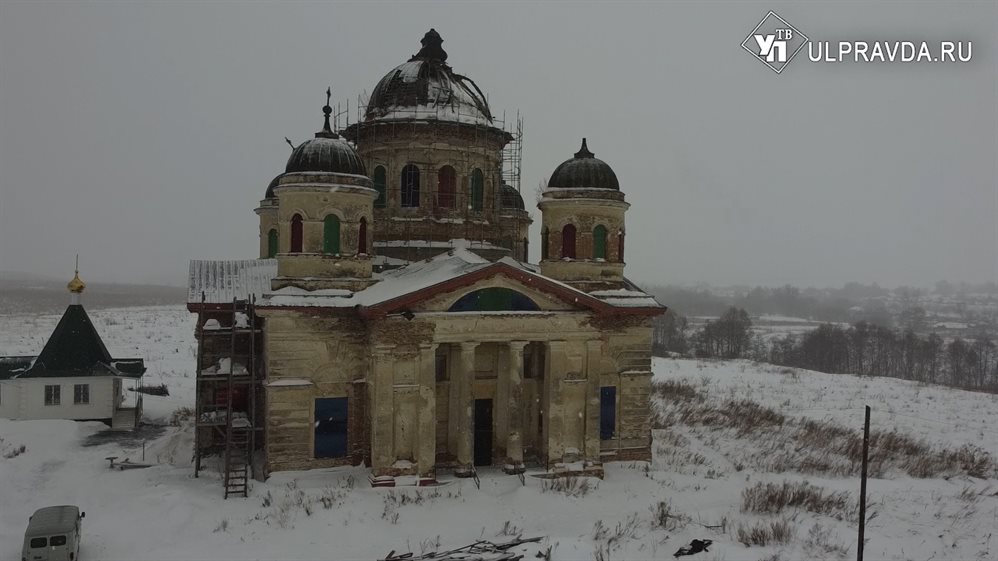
x: 331, y: 427
x: 483, y: 432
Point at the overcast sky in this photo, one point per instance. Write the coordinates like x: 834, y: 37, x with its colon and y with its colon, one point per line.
x: 143, y: 135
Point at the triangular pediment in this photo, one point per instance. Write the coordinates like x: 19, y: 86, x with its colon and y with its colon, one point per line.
x: 547, y: 294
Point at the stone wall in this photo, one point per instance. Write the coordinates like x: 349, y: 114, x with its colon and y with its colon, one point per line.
x: 403, y: 421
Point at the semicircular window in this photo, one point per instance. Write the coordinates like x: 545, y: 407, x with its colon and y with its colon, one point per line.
x: 494, y: 299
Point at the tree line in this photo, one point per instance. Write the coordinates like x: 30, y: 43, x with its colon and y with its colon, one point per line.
x: 861, y: 348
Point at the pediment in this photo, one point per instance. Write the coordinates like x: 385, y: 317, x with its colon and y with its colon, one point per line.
x: 548, y: 295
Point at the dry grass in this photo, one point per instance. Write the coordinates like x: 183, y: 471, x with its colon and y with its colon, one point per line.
x: 742, y: 415
x: 571, y: 486
x: 820, y: 545
x: 677, y: 390
x: 770, y: 498
x: 817, y: 447
x: 765, y: 533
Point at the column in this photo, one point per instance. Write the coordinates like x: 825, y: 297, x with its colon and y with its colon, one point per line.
x: 514, y: 439
x: 554, y: 411
x: 463, y: 378
x: 382, y: 410
x: 592, y: 365
x: 426, y: 439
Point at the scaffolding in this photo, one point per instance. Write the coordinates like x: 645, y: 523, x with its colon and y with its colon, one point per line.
x: 493, y: 147
x: 229, y: 391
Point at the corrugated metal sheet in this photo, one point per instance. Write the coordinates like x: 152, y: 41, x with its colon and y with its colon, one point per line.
x: 221, y: 281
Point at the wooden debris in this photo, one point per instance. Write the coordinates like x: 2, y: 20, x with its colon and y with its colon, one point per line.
x: 482, y: 550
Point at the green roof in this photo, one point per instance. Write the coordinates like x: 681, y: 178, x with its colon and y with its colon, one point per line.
x: 74, y: 349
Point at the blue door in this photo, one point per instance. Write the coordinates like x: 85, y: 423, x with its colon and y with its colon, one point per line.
x: 331, y: 427
x: 607, y: 412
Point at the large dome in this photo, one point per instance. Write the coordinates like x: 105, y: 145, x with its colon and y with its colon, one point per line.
x: 327, y: 152
x: 425, y: 87
x: 584, y: 171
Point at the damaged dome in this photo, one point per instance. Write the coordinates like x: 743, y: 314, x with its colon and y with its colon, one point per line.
x: 425, y: 87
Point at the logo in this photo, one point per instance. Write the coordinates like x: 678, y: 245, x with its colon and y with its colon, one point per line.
x: 774, y: 42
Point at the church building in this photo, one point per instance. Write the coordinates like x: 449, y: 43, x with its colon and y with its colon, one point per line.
x: 394, y: 317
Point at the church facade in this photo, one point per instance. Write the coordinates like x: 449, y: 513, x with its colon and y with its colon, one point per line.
x: 399, y: 322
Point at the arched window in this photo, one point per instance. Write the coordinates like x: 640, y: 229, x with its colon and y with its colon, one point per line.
x: 599, y: 242
x: 410, y: 186
x: 446, y: 186
x: 331, y: 234
x: 620, y: 246
x: 272, y: 243
x: 526, y: 253
x: 362, y: 236
x: 296, y: 234
x: 379, y: 185
x: 568, y: 242
x: 494, y: 300
x: 507, y: 243
x: 477, y: 190
x: 544, y: 243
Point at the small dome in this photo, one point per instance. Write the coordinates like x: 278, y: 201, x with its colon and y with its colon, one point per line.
x: 425, y: 87
x: 510, y: 198
x: 270, y: 188
x: 332, y: 155
x: 327, y: 152
x: 584, y: 171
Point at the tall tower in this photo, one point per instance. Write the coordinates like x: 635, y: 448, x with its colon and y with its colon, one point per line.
x: 324, y: 215
x: 582, y: 233
x: 434, y: 152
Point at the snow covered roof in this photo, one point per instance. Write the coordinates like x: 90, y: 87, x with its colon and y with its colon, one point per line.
x: 393, y: 284
x: 626, y: 298
x: 222, y: 281
x: 403, y: 286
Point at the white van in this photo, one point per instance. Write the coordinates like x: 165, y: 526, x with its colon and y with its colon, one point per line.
x: 53, y: 534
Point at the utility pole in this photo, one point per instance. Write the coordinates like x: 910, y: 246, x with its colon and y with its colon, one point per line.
x: 862, y: 486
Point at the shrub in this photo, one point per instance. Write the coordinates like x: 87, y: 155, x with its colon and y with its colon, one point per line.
x: 180, y: 416
x: 765, y: 533
x: 677, y: 390
x: 16, y: 452
x: 770, y: 498
x: 571, y: 486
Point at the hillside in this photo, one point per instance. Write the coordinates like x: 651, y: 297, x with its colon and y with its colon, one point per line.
x: 726, y: 431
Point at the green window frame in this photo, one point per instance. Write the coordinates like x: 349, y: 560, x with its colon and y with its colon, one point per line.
x: 477, y: 190
x: 272, y: 243
x: 331, y: 234
x: 599, y: 242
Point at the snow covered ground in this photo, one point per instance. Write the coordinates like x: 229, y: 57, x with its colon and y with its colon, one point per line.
x: 693, y: 488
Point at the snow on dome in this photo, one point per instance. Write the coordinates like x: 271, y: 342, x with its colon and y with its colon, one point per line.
x: 323, y: 154
x: 327, y: 152
x: 425, y: 87
x: 584, y: 171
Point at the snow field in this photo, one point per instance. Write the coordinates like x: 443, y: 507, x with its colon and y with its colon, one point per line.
x: 693, y: 488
